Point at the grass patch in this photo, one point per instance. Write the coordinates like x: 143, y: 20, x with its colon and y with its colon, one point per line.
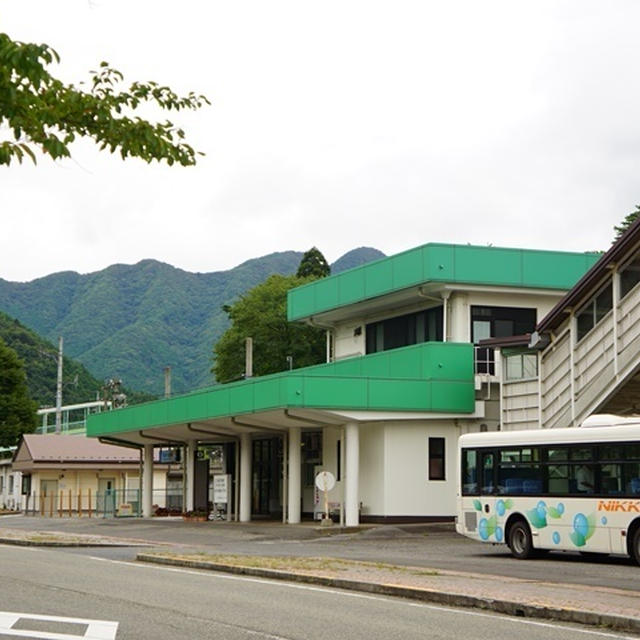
x: 296, y: 563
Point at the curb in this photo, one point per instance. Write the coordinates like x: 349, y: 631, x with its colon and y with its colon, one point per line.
x: 508, y: 607
x: 59, y: 543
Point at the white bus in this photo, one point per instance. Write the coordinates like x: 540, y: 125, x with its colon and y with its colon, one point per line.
x: 567, y: 489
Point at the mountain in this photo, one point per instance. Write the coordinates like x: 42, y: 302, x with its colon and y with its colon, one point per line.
x: 131, y: 321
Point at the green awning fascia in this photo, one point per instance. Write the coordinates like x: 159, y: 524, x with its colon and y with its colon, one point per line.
x: 444, y: 263
x: 433, y: 377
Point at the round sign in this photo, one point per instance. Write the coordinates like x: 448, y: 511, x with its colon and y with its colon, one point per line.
x: 325, y: 481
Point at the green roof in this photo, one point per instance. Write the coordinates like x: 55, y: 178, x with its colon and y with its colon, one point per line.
x: 445, y: 263
x: 432, y: 376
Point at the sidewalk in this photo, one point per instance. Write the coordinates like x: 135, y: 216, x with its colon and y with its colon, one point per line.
x: 189, y: 545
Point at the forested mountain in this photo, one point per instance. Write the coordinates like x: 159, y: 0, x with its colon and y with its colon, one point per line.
x: 40, y: 359
x: 130, y: 321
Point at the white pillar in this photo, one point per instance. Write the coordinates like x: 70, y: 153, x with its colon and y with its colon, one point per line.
x: 295, y: 480
x: 245, y: 477
x: 351, y: 472
x: 147, y: 481
x: 190, y: 473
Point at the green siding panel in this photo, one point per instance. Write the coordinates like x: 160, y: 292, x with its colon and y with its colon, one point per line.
x: 457, y: 264
x: 433, y: 376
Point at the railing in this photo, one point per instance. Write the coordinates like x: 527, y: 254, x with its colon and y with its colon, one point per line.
x: 484, y: 360
x: 76, y: 427
x: 84, y: 503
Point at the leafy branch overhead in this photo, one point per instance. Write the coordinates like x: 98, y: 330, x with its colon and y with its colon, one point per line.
x: 43, y: 113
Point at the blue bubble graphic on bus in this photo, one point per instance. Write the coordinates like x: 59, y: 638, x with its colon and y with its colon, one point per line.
x: 499, y: 534
x: 604, y: 520
x: 583, y: 528
x: 556, y: 537
x: 560, y: 508
x: 483, y: 529
x: 542, y: 509
x: 581, y: 524
x: 500, y: 507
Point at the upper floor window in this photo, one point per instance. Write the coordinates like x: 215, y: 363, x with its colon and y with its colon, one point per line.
x: 629, y: 276
x: 497, y: 322
x: 596, y: 309
x: 402, y: 331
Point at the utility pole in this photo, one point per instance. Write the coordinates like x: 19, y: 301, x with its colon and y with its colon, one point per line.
x: 167, y: 382
x: 59, y: 389
x: 248, y: 358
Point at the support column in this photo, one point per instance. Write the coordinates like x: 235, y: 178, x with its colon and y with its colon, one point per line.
x: 351, y: 473
x: 245, y: 477
x: 147, y: 481
x: 190, y: 473
x: 295, y: 479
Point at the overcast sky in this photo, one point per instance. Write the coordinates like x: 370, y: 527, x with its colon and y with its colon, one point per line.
x: 339, y: 124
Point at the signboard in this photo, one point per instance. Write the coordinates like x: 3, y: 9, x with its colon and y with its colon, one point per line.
x: 125, y: 509
x: 221, y: 484
x: 325, y: 481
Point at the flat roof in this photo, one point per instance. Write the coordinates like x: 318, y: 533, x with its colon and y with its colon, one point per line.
x: 440, y: 263
x: 429, y: 377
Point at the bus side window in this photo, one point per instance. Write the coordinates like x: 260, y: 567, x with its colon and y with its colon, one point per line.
x: 487, y: 473
x: 469, y: 472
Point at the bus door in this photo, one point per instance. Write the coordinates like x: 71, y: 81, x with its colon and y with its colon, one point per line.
x: 487, y: 480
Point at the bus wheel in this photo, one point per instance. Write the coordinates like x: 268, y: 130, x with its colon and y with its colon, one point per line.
x: 520, y: 540
x: 635, y: 546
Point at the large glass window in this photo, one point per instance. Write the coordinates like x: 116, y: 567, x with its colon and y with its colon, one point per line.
x: 402, y: 331
x: 596, y: 309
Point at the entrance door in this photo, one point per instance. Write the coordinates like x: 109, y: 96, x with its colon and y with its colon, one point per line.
x: 267, y: 477
x: 49, y: 495
x: 106, y: 498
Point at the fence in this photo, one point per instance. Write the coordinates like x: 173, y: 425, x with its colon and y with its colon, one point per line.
x: 85, y: 503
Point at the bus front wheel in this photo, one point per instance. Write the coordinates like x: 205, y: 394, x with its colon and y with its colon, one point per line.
x: 520, y: 540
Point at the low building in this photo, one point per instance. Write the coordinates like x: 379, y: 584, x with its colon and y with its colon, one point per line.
x: 71, y: 473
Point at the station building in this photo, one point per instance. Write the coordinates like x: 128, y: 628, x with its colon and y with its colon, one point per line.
x: 405, y: 375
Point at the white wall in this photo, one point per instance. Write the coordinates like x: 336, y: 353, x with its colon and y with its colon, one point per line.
x: 346, y: 343
x: 372, y: 468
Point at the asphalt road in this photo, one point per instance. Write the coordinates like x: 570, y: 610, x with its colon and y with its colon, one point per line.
x: 427, y: 546
x: 163, y: 603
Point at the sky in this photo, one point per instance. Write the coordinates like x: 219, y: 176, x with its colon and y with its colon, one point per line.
x: 338, y: 124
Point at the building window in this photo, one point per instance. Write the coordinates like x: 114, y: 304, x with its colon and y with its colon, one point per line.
x: 497, y: 322
x: 402, y: 331
x: 436, y: 459
x: 10, y: 484
x: 629, y: 276
x: 1, y: 483
x: 596, y: 309
x: 520, y: 366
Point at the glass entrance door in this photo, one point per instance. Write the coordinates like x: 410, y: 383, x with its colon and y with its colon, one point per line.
x: 267, y: 477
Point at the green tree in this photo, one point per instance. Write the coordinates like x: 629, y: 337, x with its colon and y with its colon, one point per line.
x: 42, y: 113
x: 313, y: 265
x: 17, y: 409
x: 626, y: 223
x: 261, y: 314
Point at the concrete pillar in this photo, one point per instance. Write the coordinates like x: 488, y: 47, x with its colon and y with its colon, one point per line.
x: 245, y: 477
x: 192, y: 446
x: 295, y: 479
x: 147, y: 481
x: 351, y: 473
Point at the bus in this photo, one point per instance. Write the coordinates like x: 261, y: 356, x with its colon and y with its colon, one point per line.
x: 572, y: 489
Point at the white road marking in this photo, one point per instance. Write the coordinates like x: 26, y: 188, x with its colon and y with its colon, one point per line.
x: 362, y: 596
x: 96, y: 629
